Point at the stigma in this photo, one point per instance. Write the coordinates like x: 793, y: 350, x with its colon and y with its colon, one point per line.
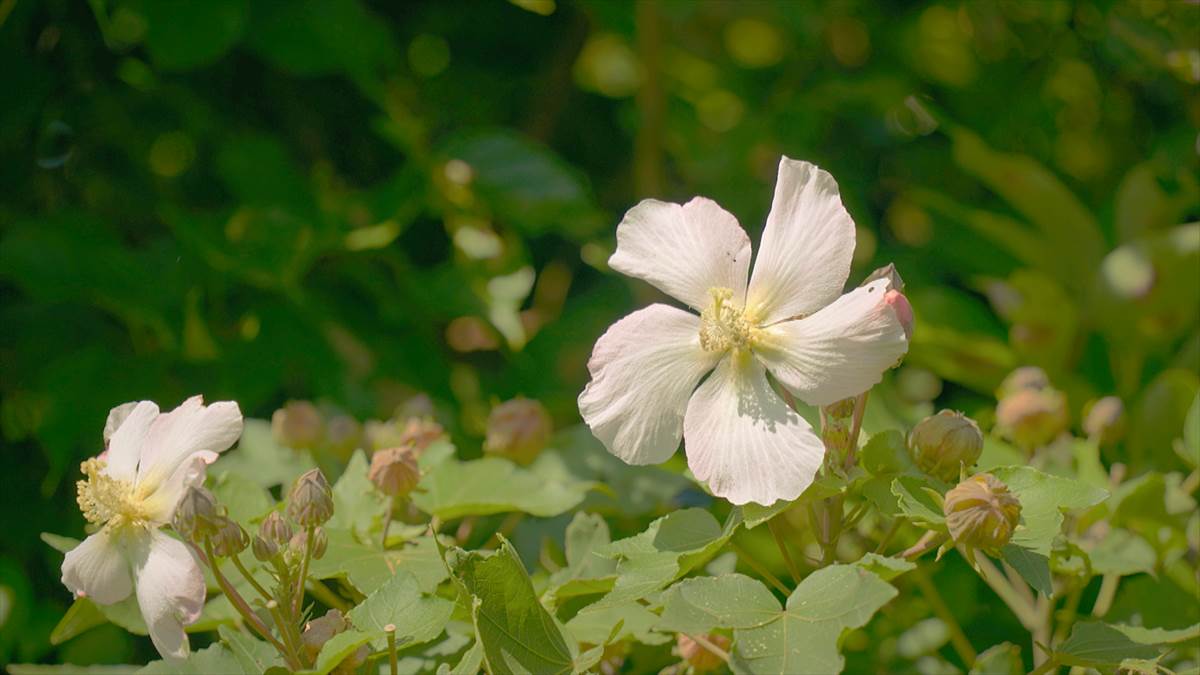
x: 725, y: 326
x: 108, y: 501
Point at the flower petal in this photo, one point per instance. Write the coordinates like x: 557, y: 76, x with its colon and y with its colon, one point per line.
x: 98, y: 569
x: 643, y: 369
x: 684, y: 250
x: 807, y: 244
x: 160, y: 505
x: 183, y: 432
x: 839, y: 352
x: 128, y: 440
x: 170, y: 591
x: 744, y: 441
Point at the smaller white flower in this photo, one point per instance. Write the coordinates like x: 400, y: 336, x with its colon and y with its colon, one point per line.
x: 789, y: 317
x: 130, y: 492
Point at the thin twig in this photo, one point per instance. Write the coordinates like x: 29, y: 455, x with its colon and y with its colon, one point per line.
x: 958, y: 639
x: 707, y: 644
x: 793, y: 570
x: 250, y: 577
x: 239, y: 603
x: 889, y: 535
x: 1108, y: 591
x: 308, y: 547
x: 860, y: 407
x: 995, y: 579
x: 758, y: 567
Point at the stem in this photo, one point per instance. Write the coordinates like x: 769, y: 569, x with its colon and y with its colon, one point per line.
x: 793, y: 570
x: 387, y: 521
x: 1019, y: 585
x: 1041, y: 636
x: 1026, y: 614
x: 308, y: 547
x: 758, y: 567
x: 928, y: 541
x: 707, y: 644
x: 889, y: 535
x: 390, y: 629
x: 1067, y: 616
x: 1108, y: 591
x: 250, y: 577
x: 855, y: 515
x: 860, y: 407
x: 322, y: 593
x: 1049, y: 666
x: 239, y: 603
x: 284, y: 632
x: 832, y: 526
x: 957, y: 637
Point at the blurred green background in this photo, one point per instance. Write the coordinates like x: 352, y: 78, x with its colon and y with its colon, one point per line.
x: 353, y: 202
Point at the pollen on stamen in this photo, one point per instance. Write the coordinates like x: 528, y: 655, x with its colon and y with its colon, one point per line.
x: 723, y: 325
x: 105, y: 500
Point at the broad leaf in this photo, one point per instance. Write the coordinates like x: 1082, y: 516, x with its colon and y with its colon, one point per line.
x: 823, y: 487
x: 1043, y: 498
x: 417, y: 618
x: 1001, y: 659
x: 1033, y: 567
x: 254, y: 655
x: 1093, y: 644
x: 703, y: 604
x: 259, y: 458
x: 357, y: 505
x: 587, y: 570
x: 595, y: 624
x: 368, y: 567
x: 453, y: 489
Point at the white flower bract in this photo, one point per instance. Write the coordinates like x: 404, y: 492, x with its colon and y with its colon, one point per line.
x: 789, y: 317
x: 129, y: 492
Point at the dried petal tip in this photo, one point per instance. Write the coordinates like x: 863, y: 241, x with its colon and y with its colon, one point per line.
x: 311, y: 500
x: 394, y: 471
x: 945, y: 443
x: 298, y: 425
x: 698, y: 656
x: 1104, y: 420
x: 981, y: 513
x: 518, y: 429
x: 197, y: 516
x: 888, y: 272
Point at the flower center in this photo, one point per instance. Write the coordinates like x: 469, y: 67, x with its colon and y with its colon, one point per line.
x: 108, y: 501
x: 723, y: 325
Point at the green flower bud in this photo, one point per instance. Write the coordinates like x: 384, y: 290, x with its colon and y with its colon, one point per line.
x: 298, y: 425
x: 1104, y: 420
x: 1032, y: 418
x: 230, y: 540
x: 264, y: 550
x: 275, y: 529
x: 394, y: 471
x: 197, y: 516
x: 518, y: 429
x: 981, y: 513
x: 942, y: 444
x: 311, y: 500
x: 697, y: 656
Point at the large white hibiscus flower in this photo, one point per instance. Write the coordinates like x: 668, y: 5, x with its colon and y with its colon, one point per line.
x: 131, y: 491
x: 791, y: 319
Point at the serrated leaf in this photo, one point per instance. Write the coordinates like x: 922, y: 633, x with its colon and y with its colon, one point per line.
x: 255, y: 656
x: 417, y: 618
x: 595, y: 625
x: 804, y: 637
x: 916, y: 500
x: 1093, y: 644
x: 337, y: 649
x: 1122, y: 552
x: 703, y: 604
x: 1033, y: 567
x: 884, y: 567
x: 886, y: 453
x: 453, y: 489
x: 245, y: 499
x: 367, y: 567
x: 216, y: 658
x: 1043, y: 498
x: 357, y: 505
x: 587, y: 570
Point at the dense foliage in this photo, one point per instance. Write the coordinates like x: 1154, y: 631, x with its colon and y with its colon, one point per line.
x: 402, y: 212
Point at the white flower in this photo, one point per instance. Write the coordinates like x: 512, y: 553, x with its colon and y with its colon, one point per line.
x: 740, y: 437
x: 130, y: 492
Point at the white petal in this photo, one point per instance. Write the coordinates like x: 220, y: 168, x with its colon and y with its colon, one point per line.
x: 178, y: 435
x: 170, y: 591
x: 161, y: 504
x: 97, y: 567
x: 807, y: 244
x: 839, y: 352
x: 127, y: 442
x: 643, y: 369
x: 744, y: 441
x: 684, y: 250
x: 115, y: 417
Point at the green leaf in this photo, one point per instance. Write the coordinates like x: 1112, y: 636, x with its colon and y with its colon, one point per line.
x: 821, y: 488
x: 216, y: 658
x: 1001, y: 659
x: 883, y: 567
x: 418, y: 618
x: 259, y: 458
x: 368, y: 567
x: 470, y: 663
x: 916, y: 500
x: 1033, y: 567
x: 588, y: 570
x: 245, y: 499
x: 518, y: 634
x: 1093, y: 644
x: 337, y: 649
x: 886, y: 453
x: 804, y: 636
x: 1043, y: 498
x: 71, y: 669
x: 703, y: 604
x: 454, y: 489
x: 1122, y: 552
x: 594, y: 625
x: 255, y: 656
x: 82, y: 615
x: 186, y: 34
x: 357, y: 505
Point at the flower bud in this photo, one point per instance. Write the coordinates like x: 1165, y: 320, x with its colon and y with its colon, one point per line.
x: 943, y: 444
x: 518, y: 429
x: 697, y: 656
x: 835, y: 430
x: 1032, y: 418
x: 320, y: 630
x: 904, y: 314
x: 230, y: 540
x: 1025, y: 377
x: 264, y: 550
x: 297, y: 425
x: 196, y: 515
x: 275, y: 529
x: 380, y: 435
x: 311, y: 500
x: 394, y: 471
x: 343, y: 435
x: 981, y: 513
x: 1104, y: 420
x: 419, y: 433
x: 300, y: 541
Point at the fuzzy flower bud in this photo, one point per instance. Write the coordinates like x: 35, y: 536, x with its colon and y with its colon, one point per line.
x: 1105, y: 420
x: 275, y: 529
x: 394, y: 471
x: 311, y: 500
x: 197, y: 516
x: 230, y: 540
x: 518, y: 429
x: 1032, y: 418
x: 263, y: 549
x: 981, y: 513
x: 697, y: 656
x: 298, y: 425
x: 944, y: 443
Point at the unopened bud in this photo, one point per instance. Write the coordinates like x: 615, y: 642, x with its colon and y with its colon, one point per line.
x: 981, y: 513
x: 945, y: 443
x: 1025, y: 377
x: 196, y: 515
x: 311, y: 500
x: 297, y: 425
x: 230, y: 540
x: 394, y: 471
x: 697, y: 655
x: 275, y: 529
x: 419, y: 433
x: 904, y: 313
x: 264, y: 550
x: 1032, y: 418
x: 1104, y: 420
x: 343, y: 435
x: 518, y: 429
x: 319, y: 544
